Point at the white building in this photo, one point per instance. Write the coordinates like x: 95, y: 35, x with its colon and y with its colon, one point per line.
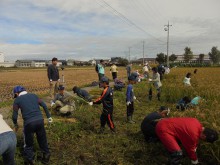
x: 30, y: 63
x: 2, y: 57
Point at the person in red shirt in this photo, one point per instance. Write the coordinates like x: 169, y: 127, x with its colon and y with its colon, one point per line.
x: 188, y: 131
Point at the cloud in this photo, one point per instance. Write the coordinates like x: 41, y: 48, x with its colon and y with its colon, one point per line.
x: 85, y: 29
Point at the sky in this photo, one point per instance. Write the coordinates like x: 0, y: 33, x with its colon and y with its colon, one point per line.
x: 100, y: 29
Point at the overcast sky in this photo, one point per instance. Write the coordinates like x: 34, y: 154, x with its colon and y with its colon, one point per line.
x: 86, y: 29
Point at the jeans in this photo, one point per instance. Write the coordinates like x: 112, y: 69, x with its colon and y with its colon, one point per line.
x: 29, y: 130
x: 8, y: 144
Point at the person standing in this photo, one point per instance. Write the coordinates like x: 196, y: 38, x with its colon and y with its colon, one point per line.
x: 114, y: 71
x: 8, y: 143
x: 53, y: 76
x: 132, y: 79
x: 29, y: 104
x: 146, y: 70
x: 107, y: 100
x: 157, y: 83
x: 128, y: 68
x: 188, y: 132
x: 101, y: 70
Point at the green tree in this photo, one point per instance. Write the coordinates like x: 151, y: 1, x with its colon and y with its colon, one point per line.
x: 201, y: 58
x: 215, y: 55
x: 188, y: 55
x: 172, y: 57
x: 123, y: 61
x: 160, y: 58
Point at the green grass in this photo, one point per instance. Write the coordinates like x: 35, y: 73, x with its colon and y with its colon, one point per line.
x: 79, y: 143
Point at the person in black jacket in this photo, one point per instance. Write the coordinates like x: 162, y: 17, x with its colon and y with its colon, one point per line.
x: 82, y: 93
x: 150, y: 121
x: 53, y: 76
x: 107, y: 100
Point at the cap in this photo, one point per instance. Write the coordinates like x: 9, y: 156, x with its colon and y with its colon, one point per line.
x: 61, y: 87
x: 18, y: 89
x: 104, y: 79
x: 163, y: 108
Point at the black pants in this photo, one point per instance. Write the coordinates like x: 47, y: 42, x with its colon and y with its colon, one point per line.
x: 130, y: 109
x: 114, y: 75
x: 107, y: 118
x: 29, y: 130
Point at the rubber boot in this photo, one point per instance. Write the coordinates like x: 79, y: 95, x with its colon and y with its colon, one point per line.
x: 46, y: 158
x: 130, y: 121
x: 150, y: 94
x: 158, y: 96
x: 176, y: 158
x: 102, y: 129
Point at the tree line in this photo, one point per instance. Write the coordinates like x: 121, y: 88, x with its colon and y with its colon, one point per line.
x: 214, y: 56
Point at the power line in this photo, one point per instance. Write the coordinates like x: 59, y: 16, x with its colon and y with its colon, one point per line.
x: 120, y: 15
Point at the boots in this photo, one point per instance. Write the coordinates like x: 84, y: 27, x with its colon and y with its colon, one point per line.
x: 101, y: 131
x: 130, y: 120
x: 46, y: 158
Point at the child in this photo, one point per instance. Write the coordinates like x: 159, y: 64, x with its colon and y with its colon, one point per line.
x: 33, y: 122
x: 132, y: 79
x: 107, y: 100
x: 150, y: 121
x: 82, y: 93
x: 62, y: 102
x: 183, y: 103
x: 186, y: 80
x: 156, y: 82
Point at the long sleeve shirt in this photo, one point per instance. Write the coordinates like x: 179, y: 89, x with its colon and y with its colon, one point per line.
x: 53, y: 73
x: 156, y: 80
x: 185, y: 130
x: 29, y: 104
x: 130, y: 93
x: 106, y: 99
x: 4, y: 126
x: 65, y: 98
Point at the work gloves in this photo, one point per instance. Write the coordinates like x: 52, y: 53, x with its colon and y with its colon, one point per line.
x: 195, y: 161
x: 50, y: 120
x: 128, y: 103
x: 91, y: 103
x: 52, y: 103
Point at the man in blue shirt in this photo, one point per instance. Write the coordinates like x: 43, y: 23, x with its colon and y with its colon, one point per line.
x: 33, y: 122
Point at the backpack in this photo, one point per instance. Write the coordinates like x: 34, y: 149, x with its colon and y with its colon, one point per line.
x: 97, y: 68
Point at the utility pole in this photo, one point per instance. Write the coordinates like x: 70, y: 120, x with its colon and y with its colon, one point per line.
x: 129, y: 54
x: 167, y: 28
x: 143, y: 53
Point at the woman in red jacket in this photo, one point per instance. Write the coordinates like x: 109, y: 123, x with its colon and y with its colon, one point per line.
x: 188, y: 131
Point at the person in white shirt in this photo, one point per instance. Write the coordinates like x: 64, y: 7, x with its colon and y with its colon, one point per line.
x: 146, y: 70
x: 8, y: 143
x: 186, y: 80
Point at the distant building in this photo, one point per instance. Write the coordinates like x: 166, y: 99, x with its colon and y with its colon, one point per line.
x: 115, y: 60
x: 146, y: 60
x: 30, y: 63
x: 195, y: 59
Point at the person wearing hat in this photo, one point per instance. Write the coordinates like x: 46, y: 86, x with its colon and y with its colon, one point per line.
x: 150, y: 121
x: 106, y: 99
x: 63, y: 102
x: 146, y: 70
x: 130, y: 97
x: 8, y: 143
x: 82, y: 93
x: 29, y: 104
x: 157, y: 83
x: 53, y: 76
x: 187, y: 131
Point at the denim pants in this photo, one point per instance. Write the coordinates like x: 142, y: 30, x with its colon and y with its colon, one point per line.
x: 29, y: 130
x: 8, y: 144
